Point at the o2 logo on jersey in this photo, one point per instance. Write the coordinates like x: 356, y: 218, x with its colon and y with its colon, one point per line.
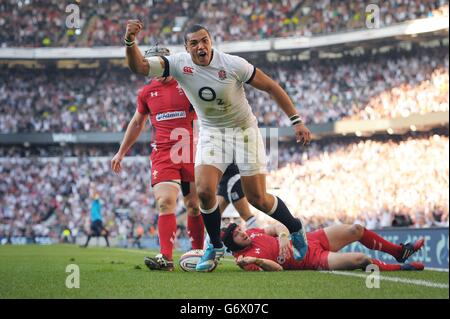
x: 207, y: 94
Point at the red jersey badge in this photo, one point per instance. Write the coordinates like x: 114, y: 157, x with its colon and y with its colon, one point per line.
x: 188, y: 70
x: 222, y: 74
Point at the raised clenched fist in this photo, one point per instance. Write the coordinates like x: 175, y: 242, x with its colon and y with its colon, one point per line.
x: 133, y: 28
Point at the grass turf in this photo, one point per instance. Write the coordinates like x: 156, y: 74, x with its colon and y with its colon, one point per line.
x: 40, y: 272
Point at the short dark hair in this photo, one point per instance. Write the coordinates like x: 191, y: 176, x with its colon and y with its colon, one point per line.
x: 193, y: 29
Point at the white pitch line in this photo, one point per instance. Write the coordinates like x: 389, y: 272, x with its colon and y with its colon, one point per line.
x: 437, y: 269
x: 394, y: 279
x: 417, y: 282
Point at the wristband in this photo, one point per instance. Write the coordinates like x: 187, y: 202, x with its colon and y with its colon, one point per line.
x: 295, y: 119
x: 129, y: 43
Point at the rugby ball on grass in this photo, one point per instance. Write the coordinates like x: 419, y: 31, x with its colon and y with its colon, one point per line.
x: 190, y: 259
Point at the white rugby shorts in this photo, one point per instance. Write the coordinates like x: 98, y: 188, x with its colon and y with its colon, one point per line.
x: 222, y: 147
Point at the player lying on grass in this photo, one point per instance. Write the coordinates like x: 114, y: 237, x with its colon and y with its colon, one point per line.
x: 270, y: 249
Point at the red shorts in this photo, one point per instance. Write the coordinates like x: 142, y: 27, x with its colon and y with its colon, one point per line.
x: 318, y: 250
x: 164, y: 170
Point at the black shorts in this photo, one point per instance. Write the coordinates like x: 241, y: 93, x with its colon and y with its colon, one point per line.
x: 96, y: 227
x: 230, y: 186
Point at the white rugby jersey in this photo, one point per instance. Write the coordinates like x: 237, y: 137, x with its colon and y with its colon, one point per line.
x: 216, y: 91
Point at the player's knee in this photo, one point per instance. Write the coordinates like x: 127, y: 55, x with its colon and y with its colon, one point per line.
x: 356, y: 230
x: 192, y: 208
x: 166, y: 204
x: 206, y: 196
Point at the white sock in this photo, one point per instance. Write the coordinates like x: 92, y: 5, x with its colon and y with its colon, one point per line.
x: 251, y: 223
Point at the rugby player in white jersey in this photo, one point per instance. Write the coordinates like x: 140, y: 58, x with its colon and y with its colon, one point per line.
x: 214, y: 84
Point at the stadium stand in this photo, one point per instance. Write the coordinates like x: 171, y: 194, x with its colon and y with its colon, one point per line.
x: 396, y: 84
x: 42, y: 23
x: 378, y: 181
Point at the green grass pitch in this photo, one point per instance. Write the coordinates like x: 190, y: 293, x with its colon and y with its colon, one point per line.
x: 40, y: 272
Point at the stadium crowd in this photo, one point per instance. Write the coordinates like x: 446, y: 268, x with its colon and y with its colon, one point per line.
x: 43, y: 23
x: 101, y: 100
x: 368, y: 87
x: 400, y: 182
x: 364, y: 88
x: 380, y: 183
x: 42, y: 196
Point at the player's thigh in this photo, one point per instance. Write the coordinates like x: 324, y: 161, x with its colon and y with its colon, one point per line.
x: 346, y: 261
x: 254, y: 187
x: 340, y: 236
x: 250, y: 154
x: 166, y: 194
x: 163, y: 168
x: 213, y: 150
x: 207, y: 178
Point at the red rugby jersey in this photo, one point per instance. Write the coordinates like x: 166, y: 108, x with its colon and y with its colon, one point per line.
x: 169, y: 109
x: 262, y: 246
x: 267, y: 247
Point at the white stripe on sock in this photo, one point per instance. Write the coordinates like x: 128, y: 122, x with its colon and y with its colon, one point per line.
x: 210, y: 211
x: 251, y: 223
x: 275, y: 206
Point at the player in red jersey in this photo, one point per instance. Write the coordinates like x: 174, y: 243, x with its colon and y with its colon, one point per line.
x: 270, y: 249
x: 172, y: 157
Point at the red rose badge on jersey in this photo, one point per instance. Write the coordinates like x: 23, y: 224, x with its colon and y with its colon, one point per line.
x: 222, y: 74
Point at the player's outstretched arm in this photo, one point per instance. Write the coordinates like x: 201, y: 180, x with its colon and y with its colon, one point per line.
x: 264, y: 264
x: 152, y: 66
x: 134, y: 130
x: 264, y: 83
x: 135, y: 59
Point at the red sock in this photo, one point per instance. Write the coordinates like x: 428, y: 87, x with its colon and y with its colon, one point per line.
x: 386, y: 267
x: 375, y: 242
x: 167, y: 228
x: 196, y: 231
